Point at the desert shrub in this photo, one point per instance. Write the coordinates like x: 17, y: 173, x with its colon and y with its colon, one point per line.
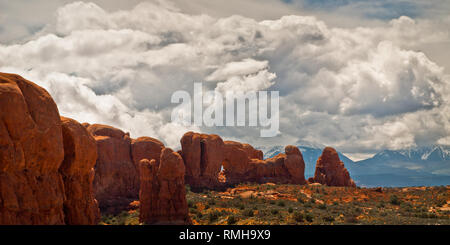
x: 406, y: 207
x: 421, y: 209
x: 225, y: 204
x: 317, y: 196
x: 123, y: 218
x: 441, y: 189
x: 190, y: 204
x: 441, y: 202
x: 350, y: 218
x: 262, y: 213
x: 328, y: 218
x: 211, y: 202
x: 231, y: 220
x: 281, y: 203
x: 298, y: 217
x: 274, y: 211
x: 322, y: 206
x: 309, y: 217
x: 213, y: 216
x: 393, y: 199
x: 206, y: 206
x: 272, y: 202
x: 426, y: 215
x: 290, y: 210
x: 248, y: 213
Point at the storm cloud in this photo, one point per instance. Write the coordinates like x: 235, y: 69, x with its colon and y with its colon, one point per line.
x: 359, y: 89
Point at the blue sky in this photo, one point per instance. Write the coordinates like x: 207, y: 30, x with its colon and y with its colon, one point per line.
x: 376, y: 9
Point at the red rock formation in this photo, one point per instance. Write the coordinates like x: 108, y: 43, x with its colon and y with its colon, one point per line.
x: 243, y: 163
x: 31, y: 152
x: 284, y: 168
x: 146, y: 148
x: 77, y: 169
x: 270, y: 170
x: 330, y: 170
x: 148, y: 195
x: 116, y: 181
x: 295, y: 165
x: 162, y: 194
x: 279, y: 170
x: 203, y: 157
x: 236, y: 163
x: 250, y: 152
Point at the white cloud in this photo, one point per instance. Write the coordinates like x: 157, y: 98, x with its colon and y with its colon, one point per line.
x: 359, y: 89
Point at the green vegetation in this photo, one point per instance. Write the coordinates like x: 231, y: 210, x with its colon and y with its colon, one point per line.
x: 311, y: 205
x: 124, y: 218
x: 303, y: 205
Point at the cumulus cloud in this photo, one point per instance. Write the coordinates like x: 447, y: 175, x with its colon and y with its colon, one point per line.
x: 359, y: 89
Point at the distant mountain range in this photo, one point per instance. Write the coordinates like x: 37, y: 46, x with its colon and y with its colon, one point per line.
x: 418, y: 166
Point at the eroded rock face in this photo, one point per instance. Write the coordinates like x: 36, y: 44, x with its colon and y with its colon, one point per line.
x: 203, y: 155
x: 284, y: 168
x: 148, y: 195
x: 116, y: 181
x: 270, y: 170
x: 31, y: 152
x: 243, y: 163
x: 162, y: 194
x: 295, y: 164
x: 146, y: 148
x: 77, y: 170
x: 237, y: 158
x: 330, y: 170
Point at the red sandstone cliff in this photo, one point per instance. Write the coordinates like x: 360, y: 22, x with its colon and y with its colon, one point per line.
x: 162, y: 194
x: 330, y: 170
x: 77, y: 169
x: 116, y: 181
x: 31, y: 152
x: 203, y: 157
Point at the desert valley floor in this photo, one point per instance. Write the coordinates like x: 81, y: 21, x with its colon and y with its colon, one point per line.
x: 271, y: 204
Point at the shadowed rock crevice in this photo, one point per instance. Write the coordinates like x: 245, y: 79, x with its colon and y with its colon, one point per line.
x: 77, y: 169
